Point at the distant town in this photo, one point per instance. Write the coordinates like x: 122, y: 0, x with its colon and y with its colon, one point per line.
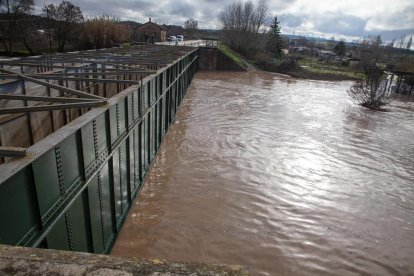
x: 63, y: 27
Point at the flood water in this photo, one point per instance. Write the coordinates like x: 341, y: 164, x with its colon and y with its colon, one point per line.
x: 286, y: 177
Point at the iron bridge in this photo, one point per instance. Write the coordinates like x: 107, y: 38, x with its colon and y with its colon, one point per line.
x: 78, y: 134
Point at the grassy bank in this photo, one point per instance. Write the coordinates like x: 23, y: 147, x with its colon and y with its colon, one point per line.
x: 320, y: 70
x: 303, y: 67
x: 309, y: 70
x: 235, y: 57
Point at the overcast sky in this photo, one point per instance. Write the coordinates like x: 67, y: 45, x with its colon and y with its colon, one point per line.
x: 326, y: 18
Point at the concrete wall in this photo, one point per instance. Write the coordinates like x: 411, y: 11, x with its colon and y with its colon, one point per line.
x: 33, y: 261
x: 212, y: 59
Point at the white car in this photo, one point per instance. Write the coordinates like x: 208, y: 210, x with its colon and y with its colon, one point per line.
x: 172, y: 38
x: 180, y: 37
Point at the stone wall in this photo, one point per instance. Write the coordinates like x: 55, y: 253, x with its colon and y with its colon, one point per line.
x: 33, y: 261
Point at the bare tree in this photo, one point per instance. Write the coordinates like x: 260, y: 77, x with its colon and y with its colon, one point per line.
x: 371, y: 93
x: 331, y: 43
x: 190, y: 26
x: 48, y: 12
x: 401, y: 42
x: 408, y: 46
x: 27, y: 33
x: 242, y: 23
x: 191, y: 23
x: 62, y: 21
x: 377, y: 46
x: 390, y: 48
x: 14, y: 11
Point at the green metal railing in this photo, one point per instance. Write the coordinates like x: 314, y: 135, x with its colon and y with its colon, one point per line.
x: 74, y: 188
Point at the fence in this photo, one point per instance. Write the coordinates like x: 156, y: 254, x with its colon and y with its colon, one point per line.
x: 398, y: 83
x: 195, y: 43
x: 74, y: 188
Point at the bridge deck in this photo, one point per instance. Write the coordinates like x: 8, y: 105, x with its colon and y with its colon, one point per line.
x: 39, y: 95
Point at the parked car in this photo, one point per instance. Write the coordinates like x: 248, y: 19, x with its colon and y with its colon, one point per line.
x: 172, y: 38
x: 180, y: 37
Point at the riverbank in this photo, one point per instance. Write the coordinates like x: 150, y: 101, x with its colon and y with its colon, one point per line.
x: 290, y: 66
x: 235, y: 57
x: 293, y: 68
x: 313, y: 71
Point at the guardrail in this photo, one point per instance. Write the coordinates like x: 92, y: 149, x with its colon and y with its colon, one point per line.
x: 211, y: 43
x: 198, y: 43
x: 74, y: 188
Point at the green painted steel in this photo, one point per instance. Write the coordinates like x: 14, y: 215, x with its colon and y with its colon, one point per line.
x: 76, y: 194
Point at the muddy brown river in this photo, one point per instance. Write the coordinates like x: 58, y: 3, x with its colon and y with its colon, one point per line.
x: 286, y: 177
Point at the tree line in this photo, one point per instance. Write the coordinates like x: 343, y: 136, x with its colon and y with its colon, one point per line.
x: 249, y: 29
x: 57, y: 28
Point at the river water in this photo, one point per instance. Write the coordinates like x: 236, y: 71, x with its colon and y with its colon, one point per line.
x: 283, y: 176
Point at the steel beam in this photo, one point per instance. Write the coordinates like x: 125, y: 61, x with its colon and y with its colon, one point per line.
x: 12, y: 152
x: 44, y: 99
x: 37, y: 108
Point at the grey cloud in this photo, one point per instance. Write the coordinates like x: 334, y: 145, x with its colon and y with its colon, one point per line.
x: 353, y: 26
x: 206, y: 11
x: 172, y: 12
x: 290, y: 20
x: 182, y: 9
x: 276, y: 6
x: 347, y: 25
x: 403, y: 18
x: 117, y: 8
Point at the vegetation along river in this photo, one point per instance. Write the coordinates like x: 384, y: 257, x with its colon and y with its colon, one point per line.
x: 284, y: 176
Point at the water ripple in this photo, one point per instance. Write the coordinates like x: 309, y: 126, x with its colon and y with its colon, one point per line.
x: 284, y: 176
